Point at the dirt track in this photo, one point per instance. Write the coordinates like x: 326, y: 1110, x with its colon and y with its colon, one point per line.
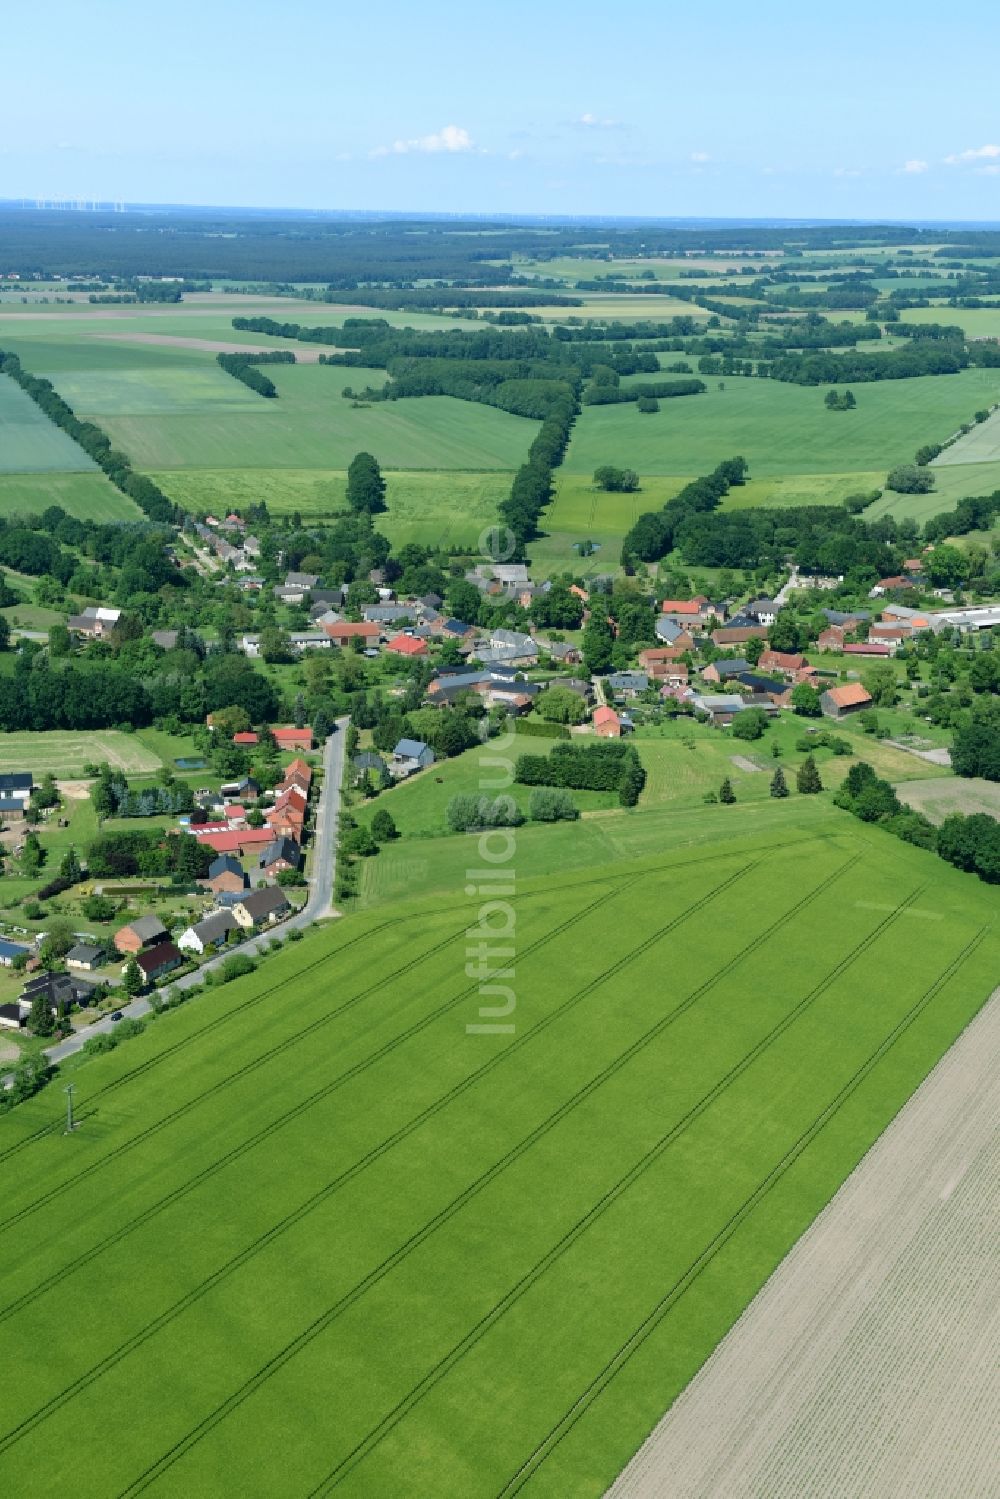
x: 866, y: 1368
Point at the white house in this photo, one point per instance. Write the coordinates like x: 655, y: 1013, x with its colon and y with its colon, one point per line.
x: 209, y: 933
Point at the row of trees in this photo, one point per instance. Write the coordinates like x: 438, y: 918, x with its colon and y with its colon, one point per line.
x: 608, y: 765
x: 94, y: 442
x: 971, y: 843
x: 244, y: 367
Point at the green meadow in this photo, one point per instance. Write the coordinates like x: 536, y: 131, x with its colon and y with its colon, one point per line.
x: 90, y: 496
x: 29, y: 442
x: 317, y: 1201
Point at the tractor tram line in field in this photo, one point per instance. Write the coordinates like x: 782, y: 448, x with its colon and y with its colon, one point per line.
x: 641, y: 1333
x: 355, y: 1169
x: 619, y: 1188
x: 142, y: 1069
x: 610, y: 1070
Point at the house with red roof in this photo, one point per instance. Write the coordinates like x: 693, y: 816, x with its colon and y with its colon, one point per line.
x: 248, y: 739
x: 607, y: 724
x: 290, y: 738
x: 407, y: 645
x: 344, y: 631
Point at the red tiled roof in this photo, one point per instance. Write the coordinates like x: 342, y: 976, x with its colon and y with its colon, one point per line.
x: 245, y: 739
x: 605, y: 715
x: 344, y: 630
x: 849, y: 696
x: 407, y: 645
x: 680, y: 606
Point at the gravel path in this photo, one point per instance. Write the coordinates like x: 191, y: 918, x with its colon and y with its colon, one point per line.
x: 867, y: 1366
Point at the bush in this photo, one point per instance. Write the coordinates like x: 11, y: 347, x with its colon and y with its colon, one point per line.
x: 907, y: 478
x: 295, y: 934
x: 750, y: 724
x: 470, y: 813
x: 550, y: 805
x: 94, y: 1046
x: 235, y: 967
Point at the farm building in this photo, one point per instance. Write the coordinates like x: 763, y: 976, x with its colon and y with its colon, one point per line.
x: 282, y: 854
x: 839, y: 702
x: 291, y: 738
x: 12, y: 1018
x: 343, y: 632
x: 407, y: 645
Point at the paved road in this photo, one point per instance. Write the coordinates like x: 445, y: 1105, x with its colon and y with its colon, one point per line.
x: 781, y: 597
x: 319, y: 903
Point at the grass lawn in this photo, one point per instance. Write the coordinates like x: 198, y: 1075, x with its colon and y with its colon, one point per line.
x: 939, y: 799
x: 283, y: 1202
x: 780, y: 429
x: 64, y: 752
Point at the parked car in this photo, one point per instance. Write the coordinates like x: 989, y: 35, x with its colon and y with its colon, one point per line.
x: 117, y: 1015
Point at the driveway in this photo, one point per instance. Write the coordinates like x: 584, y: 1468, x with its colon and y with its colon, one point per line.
x: 318, y: 904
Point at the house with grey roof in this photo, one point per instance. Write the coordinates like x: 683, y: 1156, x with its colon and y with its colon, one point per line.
x: 213, y: 931
x: 409, y: 756
x: 262, y: 907
x: 628, y: 683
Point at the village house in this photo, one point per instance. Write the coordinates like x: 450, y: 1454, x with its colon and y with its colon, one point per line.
x: 86, y: 957
x: 409, y: 756
x: 761, y: 611
x: 12, y: 1017
x: 840, y: 702
x: 607, y: 724
x: 61, y: 991
x: 225, y: 873
x: 406, y: 645
x: 15, y: 794
x: 261, y: 907
x: 628, y: 683
x: 140, y: 933
x: 345, y: 631
x: 9, y: 951
x: 95, y: 622
x: 721, y: 670
x: 891, y: 635
x: 562, y: 651
x: 209, y: 933
x: 896, y: 584
x: 721, y: 708
x: 291, y: 738
x: 226, y: 840
x: 156, y: 962
x: 733, y: 635
x: 367, y: 762
x: 867, y: 648
x: 278, y: 857
x: 789, y: 663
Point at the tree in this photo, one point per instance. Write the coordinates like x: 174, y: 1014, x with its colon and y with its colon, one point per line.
x: 70, y: 866
x: 98, y: 908
x: 879, y: 679
x: 753, y: 650
x: 597, y: 643
x: 384, y: 826
x: 4, y: 633
x: 559, y: 705
x: 41, y: 1021
x: 779, y: 786
x: 807, y: 777
x: 907, y: 478
x: 322, y: 726
x: 299, y: 711
x: 647, y: 405
x: 616, y: 480
x: 947, y: 567
x: 365, y: 485
x: 750, y: 724
x: 463, y: 600
x: 60, y: 641
x: 32, y: 856
x: 133, y: 980
x: 805, y: 701
x: 726, y: 793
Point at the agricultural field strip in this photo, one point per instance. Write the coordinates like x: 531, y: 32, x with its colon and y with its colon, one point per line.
x: 402, y: 1409
x: 649, y: 1324
x: 355, y: 1169
x: 587, y: 1090
x: 139, y: 1072
x: 266, y: 1058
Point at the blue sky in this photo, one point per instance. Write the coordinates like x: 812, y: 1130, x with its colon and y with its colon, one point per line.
x: 888, y: 108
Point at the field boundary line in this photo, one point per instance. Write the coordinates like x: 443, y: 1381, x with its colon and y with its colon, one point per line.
x: 349, y: 1297
x: 297, y: 1214
x: 690, y: 1275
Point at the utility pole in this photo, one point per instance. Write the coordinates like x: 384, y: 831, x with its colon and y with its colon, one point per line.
x: 70, y: 1126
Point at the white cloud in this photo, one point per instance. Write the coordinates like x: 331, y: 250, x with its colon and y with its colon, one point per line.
x: 915, y: 166
x: 450, y: 139
x: 700, y: 156
x: 596, y: 122
x: 978, y: 153
x: 846, y: 172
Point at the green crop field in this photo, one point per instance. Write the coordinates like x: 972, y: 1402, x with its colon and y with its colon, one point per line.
x: 316, y: 1236
x: 64, y: 753
x: 215, y: 422
x: 444, y: 507
x: 781, y: 429
x: 90, y: 496
x: 29, y: 442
